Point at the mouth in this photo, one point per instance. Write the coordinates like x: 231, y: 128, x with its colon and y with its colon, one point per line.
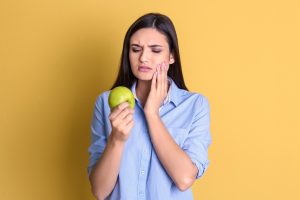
x: 144, y: 69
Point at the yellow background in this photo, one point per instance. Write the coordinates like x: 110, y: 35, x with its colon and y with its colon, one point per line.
x: 57, y: 56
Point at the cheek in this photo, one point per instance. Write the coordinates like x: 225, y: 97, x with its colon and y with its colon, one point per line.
x: 132, y: 59
x: 160, y: 59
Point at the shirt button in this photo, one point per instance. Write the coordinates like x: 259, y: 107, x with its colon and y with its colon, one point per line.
x: 141, y: 194
x: 142, y: 172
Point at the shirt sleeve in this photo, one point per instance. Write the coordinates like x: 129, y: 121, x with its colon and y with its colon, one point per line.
x: 98, y: 136
x: 199, y: 138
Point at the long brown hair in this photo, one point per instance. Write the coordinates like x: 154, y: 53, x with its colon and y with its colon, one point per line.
x: 163, y: 24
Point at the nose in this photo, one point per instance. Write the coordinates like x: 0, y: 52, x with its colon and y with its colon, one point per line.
x: 144, y: 56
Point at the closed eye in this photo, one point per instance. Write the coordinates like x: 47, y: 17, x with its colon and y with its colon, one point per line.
x: 135, y: 50
x: 156, y: 51
x: 153, y: 50
x: 156, y: 48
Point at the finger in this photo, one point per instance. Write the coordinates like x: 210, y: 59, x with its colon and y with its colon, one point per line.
x: 163, y: 78
x: 166, y: 77
x: 121, y: 117
x: 159, y: 75
x: 163, y: 83
x: 127, y: 119
x: 153, y: 82
x: 117, y: 110
x: 129, y: 126
x: 123, y: 125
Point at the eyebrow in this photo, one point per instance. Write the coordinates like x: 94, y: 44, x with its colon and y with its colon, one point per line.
x: 154, y: 45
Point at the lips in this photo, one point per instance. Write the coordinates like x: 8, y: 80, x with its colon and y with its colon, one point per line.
x: 144, y: 68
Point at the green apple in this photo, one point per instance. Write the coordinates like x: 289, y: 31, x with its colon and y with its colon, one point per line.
x: 119, y: 95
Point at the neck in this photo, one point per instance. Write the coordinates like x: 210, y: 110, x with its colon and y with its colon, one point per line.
x: 143, y: 90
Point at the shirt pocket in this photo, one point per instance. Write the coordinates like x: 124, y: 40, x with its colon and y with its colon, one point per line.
x: 178, y: 134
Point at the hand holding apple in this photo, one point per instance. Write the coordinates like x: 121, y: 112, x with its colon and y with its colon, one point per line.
x: 121, y: 101
x: 121, y: 119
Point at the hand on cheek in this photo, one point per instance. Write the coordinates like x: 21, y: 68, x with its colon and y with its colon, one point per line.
x: 158, y: 91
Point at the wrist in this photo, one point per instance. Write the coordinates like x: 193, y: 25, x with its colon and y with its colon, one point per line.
x: 114, y: 141
x: 151, y: 115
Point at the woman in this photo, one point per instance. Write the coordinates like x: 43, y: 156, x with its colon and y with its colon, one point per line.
x: 159, y: 149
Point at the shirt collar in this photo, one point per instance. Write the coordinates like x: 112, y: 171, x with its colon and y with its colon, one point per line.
x: 172, y: 96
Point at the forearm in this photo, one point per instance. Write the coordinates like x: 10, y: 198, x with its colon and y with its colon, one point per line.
x: 105, y: 173
x: 175, y: 161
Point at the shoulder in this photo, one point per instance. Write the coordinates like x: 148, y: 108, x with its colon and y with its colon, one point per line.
x: 201, y: 99
x: 102, y: 99
x: 103, y: 95
x: 196, y: 98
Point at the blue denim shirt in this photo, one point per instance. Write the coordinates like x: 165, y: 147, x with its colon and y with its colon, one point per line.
x: 186, y: 115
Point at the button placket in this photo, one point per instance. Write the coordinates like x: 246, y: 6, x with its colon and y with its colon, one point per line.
x: 142, y: 177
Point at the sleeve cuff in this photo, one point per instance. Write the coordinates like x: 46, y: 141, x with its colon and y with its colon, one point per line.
x: 202, y: 167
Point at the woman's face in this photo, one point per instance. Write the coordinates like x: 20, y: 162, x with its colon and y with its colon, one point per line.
x: 147, y: 49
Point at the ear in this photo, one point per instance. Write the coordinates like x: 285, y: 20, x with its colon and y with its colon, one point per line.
x: 171, y: 60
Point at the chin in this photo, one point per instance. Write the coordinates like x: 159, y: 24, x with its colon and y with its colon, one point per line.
x: 144, y: 77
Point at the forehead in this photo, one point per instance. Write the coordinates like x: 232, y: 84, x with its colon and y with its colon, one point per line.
x: 148, y: 36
